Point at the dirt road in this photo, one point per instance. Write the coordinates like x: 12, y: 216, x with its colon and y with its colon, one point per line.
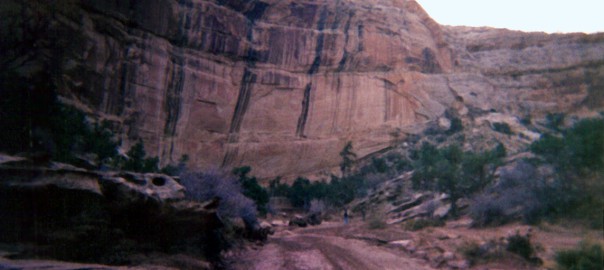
x: 323, y: 247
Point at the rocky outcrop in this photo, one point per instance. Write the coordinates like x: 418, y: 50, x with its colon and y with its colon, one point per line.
x: 283, y: 85
x: 395, y: 199
x: 67, y: 213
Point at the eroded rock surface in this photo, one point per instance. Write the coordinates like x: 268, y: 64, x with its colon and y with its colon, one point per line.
x: 62, y: 212
x: 283, y: 85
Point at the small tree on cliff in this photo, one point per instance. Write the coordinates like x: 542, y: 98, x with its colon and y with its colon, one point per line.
x: 138, y: 162
x: 348, y: 159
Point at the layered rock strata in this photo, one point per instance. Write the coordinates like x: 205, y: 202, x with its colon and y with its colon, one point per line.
x: 283, y: 85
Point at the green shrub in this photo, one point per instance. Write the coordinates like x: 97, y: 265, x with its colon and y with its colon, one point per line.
x: 276, y: 188
x: 479, y: 253
x: 419, y: 224
x: 555, y: 120
x: 473, y: 252
x: 527, y: 120
x: 580, y: 148
x: 251, y: 188
x: 585, y: 257
x: 348, y: 159
x: 376, y: 223
x: 456, y: 126
x: 299, y: 194
x: 503, y: 128
x: 137, y: 160
x: 578, y: 158
x: 379, y: 164
x: 338, y: 192
x: 403, y: 165
x: 521, y: 245
x: 177, y: 169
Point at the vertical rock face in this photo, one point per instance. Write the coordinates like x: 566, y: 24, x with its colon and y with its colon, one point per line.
x: 283, y: 85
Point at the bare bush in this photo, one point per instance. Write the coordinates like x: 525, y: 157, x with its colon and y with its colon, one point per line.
x: 486, y: 211
x: 516, y: 175
x: 373, y: 180
x: 203, y: 186
x: 515, y: 195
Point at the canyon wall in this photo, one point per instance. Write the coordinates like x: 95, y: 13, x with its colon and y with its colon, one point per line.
x: 282, y: 85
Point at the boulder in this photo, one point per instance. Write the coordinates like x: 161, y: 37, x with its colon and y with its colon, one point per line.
x: 298, y: 221
x: 448, y: 255
x: 421, y: 205
x: 407, y: 244
x: 278, y: 223
x: 444, y: 123
x: 314, y: 219
x: 59, y: 207
x: 442, y: 211
x: 259, y: 232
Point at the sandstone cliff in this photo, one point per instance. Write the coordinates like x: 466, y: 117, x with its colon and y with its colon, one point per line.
x: 283, y: 85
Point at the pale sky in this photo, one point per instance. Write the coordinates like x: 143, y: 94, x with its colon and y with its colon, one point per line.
x: 550, y: 16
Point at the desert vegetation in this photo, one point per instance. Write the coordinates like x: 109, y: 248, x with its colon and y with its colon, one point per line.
x: 577, y: 157
x: 585, y: 256
x: 562, y: 181
x: 455, y: 172
x: 251, y: 188
x: 517, y: 244
x: 204, y: 186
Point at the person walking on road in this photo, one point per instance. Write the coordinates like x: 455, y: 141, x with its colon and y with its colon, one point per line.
x: 345, y: 216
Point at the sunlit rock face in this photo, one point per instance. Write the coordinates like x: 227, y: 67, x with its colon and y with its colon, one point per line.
x: 283, y: 85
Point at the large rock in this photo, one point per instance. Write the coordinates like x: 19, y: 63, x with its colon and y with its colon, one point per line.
x: 74, y: 214
x: 283, y: 85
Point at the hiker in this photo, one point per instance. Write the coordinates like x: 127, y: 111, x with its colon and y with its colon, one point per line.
x: 345, y: 216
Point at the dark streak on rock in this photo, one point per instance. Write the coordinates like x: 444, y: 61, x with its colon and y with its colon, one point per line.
x: 253, y: 11
x: 388, y: 88
x: 173, y: 96
x: 243, y: 100
x: 429, y: 62
x: 123, y: 90
x: 313, y: 69
x: 207, y: 102
x: 342, y: 63
x: 231, y: 153
x: 320, y: 39
x: 256, y: 11
x: 360, y: 29
x: 304, y: 114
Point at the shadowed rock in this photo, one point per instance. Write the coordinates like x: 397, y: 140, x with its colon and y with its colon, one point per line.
x: 74, y: 214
